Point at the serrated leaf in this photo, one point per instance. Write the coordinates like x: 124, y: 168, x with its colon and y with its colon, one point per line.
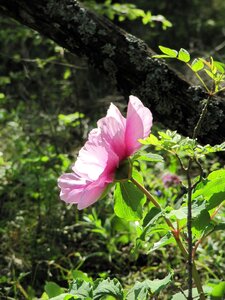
x: 141, y: 290
x: 184, y: 55
x: 168, y: 51
x: 107, y: 287
x: 197, y: 65
x: 129, y: 201
x: 82, y: 289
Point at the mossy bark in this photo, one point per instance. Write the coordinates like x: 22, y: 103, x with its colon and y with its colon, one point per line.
x: 127, y: 61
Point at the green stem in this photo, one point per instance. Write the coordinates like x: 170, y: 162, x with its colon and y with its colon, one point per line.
x: 189, y: 230
x: 202, y: 116
x: 176, y: 236
x: 200, y: 79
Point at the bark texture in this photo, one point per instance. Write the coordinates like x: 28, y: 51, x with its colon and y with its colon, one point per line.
x: 127, y: 61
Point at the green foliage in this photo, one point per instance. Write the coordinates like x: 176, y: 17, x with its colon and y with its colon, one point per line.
x: 174, y: 143
x: 141, y: 290
x: 129, y: 200
x: 107, y: 289
x: 128, y: 11
x: 215, y: 70
x: 212, y: 189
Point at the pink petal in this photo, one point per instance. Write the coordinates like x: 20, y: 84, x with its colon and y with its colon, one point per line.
x: 76, y: 191
x: 138, y: 125
x: 91, y: 161
x: 113, y: 133
x: 90, y: 196
x: 114, y: 112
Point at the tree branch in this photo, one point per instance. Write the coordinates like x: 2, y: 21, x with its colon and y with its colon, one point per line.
x: 126, y: 59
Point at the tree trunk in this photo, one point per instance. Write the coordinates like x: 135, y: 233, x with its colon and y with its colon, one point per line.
x: 126, y: 59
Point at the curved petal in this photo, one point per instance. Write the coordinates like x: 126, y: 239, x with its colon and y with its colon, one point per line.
x: 71, y: 186
x: 90, y: 196
x: 91, y: 161
x: 138, y: 124
x: 78, y: 192
x: 114, y: 112
x: 113, y: 133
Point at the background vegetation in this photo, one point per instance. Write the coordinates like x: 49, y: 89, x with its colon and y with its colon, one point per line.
x: 49, y: 100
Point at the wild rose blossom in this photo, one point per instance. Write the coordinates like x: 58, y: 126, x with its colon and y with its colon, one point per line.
x: 114, y: 140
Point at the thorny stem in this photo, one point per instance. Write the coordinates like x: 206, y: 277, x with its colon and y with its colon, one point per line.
x: 177, y: 238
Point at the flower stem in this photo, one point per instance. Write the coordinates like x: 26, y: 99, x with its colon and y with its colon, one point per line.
x: 176, y: 236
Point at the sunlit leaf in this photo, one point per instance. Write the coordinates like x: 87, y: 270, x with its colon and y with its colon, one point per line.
x: 197, y: 65
x: 129, y: 201
x: 168, y: 51
x: 183, y: 55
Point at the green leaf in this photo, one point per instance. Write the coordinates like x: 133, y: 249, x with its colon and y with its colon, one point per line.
x: 107, y: 287
x: 81, y: 275
x: 129, y: 201
x: 218, y: 291
x: 218, y: 227
x: 2, y: 96
x: 149, y: 221
x: 150, y: 217
x: 65, y: 296
x: 212, y: 189
x: 141, y: 290
x: 183, y: 55
x: 210, y: 74
x: 200, y: 223
x: 151, y: 157
x: 180, y: 213
x: 53, y: 289
x: 215, y: 200
x: 197, y: 65
x: 158, y: 284
x: 168, y: 51
x: 167, y: 239
x: 151, y: 140
x: 82, y: 289
x: 220, y: 66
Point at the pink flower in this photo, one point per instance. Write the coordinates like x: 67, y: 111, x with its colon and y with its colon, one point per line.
x: 114, y: 140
